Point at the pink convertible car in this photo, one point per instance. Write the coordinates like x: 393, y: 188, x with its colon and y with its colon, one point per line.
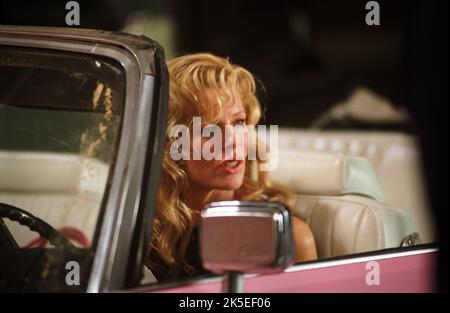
x: 82, y: 124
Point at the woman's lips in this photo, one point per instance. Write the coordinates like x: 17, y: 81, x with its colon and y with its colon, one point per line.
x: 231, y: 166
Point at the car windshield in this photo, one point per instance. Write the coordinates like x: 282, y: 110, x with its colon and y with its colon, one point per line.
x: 60, y: 119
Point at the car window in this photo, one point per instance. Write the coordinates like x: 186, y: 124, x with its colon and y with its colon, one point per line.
x: 60, y: 119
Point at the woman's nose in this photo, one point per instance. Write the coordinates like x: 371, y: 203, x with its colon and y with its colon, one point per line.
x: 228, y: 141
x: 234, y: 142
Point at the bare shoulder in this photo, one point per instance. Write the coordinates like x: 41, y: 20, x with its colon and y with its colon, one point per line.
x: 305, y: 244
x: 300, y: 227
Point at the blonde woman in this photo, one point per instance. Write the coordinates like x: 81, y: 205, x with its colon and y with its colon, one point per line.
x: 220, y: 93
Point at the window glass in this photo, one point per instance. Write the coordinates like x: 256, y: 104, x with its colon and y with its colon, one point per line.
x: 60, y: 119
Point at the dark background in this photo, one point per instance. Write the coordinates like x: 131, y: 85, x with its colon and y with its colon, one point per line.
x: 309, y: 55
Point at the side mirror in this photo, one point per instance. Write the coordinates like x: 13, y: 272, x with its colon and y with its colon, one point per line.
x: 239, y: 237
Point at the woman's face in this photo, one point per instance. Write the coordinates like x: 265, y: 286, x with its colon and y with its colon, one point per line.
x: 223, y: 174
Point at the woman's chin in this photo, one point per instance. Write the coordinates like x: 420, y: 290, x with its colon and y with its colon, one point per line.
x: 229, y: 184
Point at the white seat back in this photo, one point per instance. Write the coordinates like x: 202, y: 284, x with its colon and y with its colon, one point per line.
x: 341, y: 200
x: 394, y: 156
x: 65, y: 190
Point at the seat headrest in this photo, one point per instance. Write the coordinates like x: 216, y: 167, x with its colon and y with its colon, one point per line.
x: 326, y: 173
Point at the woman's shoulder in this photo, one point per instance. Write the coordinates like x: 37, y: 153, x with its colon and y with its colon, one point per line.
x: 305, y: 244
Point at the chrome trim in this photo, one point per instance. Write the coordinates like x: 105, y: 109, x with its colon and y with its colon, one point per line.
x: 113, y: 269
x: 281, y: 217
x: 233, y: 282
x: 177, y: 284
x: 109, y: 267
x: 323, y: 264
x: 411, y: 240
x: 242, y: 208
x: 136, y: 45
x: 222, y: 213
x: 132, y: 195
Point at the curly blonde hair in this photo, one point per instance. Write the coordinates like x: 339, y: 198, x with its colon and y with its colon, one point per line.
x: 193, y: 76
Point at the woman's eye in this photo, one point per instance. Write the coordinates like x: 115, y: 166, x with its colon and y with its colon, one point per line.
x: 240, y: 122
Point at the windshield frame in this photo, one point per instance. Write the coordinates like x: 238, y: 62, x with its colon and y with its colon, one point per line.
x: 117, y: 218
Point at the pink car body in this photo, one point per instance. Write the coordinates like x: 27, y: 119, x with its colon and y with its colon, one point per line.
x: 408, y: 271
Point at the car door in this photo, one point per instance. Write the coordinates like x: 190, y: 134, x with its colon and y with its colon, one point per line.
x: 393, y: 270
x: 83, y: 113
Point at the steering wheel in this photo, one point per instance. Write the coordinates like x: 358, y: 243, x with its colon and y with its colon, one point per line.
x: 34, y: 224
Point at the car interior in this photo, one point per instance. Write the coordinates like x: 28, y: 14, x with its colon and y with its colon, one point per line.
x: 69, y: 201
x: 345, y: 190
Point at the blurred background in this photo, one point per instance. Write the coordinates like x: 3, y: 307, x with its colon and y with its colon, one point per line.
x: 310, y: 55
x: 321, y: 65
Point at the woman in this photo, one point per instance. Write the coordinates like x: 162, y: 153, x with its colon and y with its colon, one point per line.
x: 220, y: 93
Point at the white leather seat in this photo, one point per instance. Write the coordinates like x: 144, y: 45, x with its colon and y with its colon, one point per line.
x: 341, y: 200
x: 395, y: 158
x: 65, y: 190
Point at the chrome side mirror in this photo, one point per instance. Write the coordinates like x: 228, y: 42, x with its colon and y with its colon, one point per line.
x: 239, y: 237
